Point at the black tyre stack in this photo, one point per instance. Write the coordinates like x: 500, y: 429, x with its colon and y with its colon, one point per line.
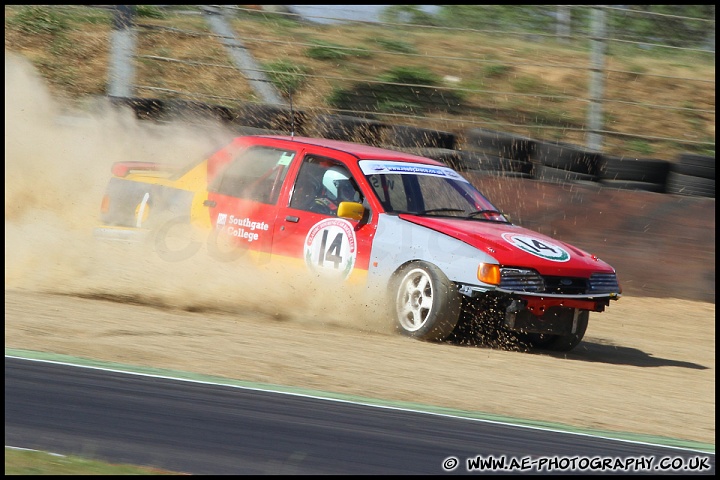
x: 143, y: 108
x: 406, y: 136
x: 277, y: 119
x: 346, y: 128
x: 692, y: 175
x: 647, y: 174
x: 559, y: 162
x: 498, y: 153
x: 479, y: 150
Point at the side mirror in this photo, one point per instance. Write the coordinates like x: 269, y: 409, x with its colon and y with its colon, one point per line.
x: 351, y: 210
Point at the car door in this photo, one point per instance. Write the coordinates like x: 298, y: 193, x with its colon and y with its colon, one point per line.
x: 243, y: 200
x: 308, y: 232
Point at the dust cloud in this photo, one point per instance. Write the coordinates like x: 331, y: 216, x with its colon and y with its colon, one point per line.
x: 57, y: 165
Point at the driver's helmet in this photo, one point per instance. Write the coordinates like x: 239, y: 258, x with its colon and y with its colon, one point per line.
x: 337, y: 182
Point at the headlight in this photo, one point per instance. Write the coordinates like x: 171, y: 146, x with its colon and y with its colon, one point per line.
x: 604, y: 283
x: 521, y: 280
x: 489, y: 273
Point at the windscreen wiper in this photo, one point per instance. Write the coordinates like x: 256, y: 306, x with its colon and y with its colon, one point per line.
x: 483, y: 212
x: 440, y: 210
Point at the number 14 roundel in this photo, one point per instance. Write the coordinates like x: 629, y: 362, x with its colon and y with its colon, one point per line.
x: 331, y: 248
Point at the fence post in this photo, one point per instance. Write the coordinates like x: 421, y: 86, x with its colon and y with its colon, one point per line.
x: 242, y: 59
x: 562, y: 27
x: 122, y: 51
x: 598, y: 46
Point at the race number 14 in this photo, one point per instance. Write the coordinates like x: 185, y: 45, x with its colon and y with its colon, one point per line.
x: 332, y: 253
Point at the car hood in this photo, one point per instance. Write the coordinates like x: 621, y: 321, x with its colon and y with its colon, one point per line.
x: 515, y: 246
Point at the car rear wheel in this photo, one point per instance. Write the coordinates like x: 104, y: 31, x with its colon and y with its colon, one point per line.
x: 427, y: 304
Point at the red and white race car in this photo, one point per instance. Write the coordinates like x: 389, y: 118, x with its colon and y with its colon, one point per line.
x: 356, y: 213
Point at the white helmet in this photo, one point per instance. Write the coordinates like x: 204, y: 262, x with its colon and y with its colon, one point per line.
x: 337, y: 182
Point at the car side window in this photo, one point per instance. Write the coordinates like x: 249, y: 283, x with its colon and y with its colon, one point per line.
x: 256, y: 173
x: 322, y: 184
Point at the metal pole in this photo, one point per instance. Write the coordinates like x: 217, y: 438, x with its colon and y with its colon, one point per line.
x: 598, y: 46
x: 562, y: 28
x: 242, y: 58
x: 122, y: 52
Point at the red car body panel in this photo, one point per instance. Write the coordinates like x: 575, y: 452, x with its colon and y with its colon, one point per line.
x: 496, y: 239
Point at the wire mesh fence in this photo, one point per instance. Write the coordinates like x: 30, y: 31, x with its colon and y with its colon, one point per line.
x: 632, y: 81
x: 534, y: 78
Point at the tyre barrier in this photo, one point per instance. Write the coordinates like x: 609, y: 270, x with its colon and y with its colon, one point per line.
x: 409, y: 137
x: 489, y: 152
x: 270, y: 117
x: 497, y: 165
x: 192, y: 111
x: 633, y: 185
x: 681, y: 184
x: 629, y: 173
x: 634, y: 169
x: 695, y: 165
x: 346, y: 128
x: 244, y: 130
x: 692, y: 175
x: 504, y: 145
x: 565, y: 156
x: 143, y: 108
x: 560, y: 175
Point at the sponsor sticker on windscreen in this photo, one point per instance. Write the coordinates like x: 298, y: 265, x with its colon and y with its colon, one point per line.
x: 379, y: 167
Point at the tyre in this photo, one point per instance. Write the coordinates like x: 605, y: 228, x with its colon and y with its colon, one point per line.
x: 633, y: 185
x: 270, y: 117
x: 192, y: 111
x: 172, y: 237
x: 427, y: 304
x: 559, y: 343
x: 243, y: 130
x: 634, y: 169
x: 407, y: 136
x: 695, y: 165
x: 565, y: 156
x: 494, y: 164
x: 346, y: 128
x: 680, y: 184
x: 557, y: 175
x: 144, y: 108
x: 504, y: 145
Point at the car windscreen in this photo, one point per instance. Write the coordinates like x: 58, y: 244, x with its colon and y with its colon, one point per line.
x: 419, y: 189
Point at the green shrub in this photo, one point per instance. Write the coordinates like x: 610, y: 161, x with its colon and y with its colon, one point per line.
x: 527, y: 84
x: 39, y: 20
x: 326, y: 51
x: 149, y: 11
x: 496, y: 70
x: 410, y: 75
x: 393, y: 106
x: 395, y: 45
x: 285, y: 75
x: 642, y: 147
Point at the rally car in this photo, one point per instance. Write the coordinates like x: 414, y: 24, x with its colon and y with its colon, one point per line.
x: 356, y: 213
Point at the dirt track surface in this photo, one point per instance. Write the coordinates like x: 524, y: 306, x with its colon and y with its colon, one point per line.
x: 646, y: 366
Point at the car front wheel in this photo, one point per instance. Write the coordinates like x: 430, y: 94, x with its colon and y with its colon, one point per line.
x: 427, y: 303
